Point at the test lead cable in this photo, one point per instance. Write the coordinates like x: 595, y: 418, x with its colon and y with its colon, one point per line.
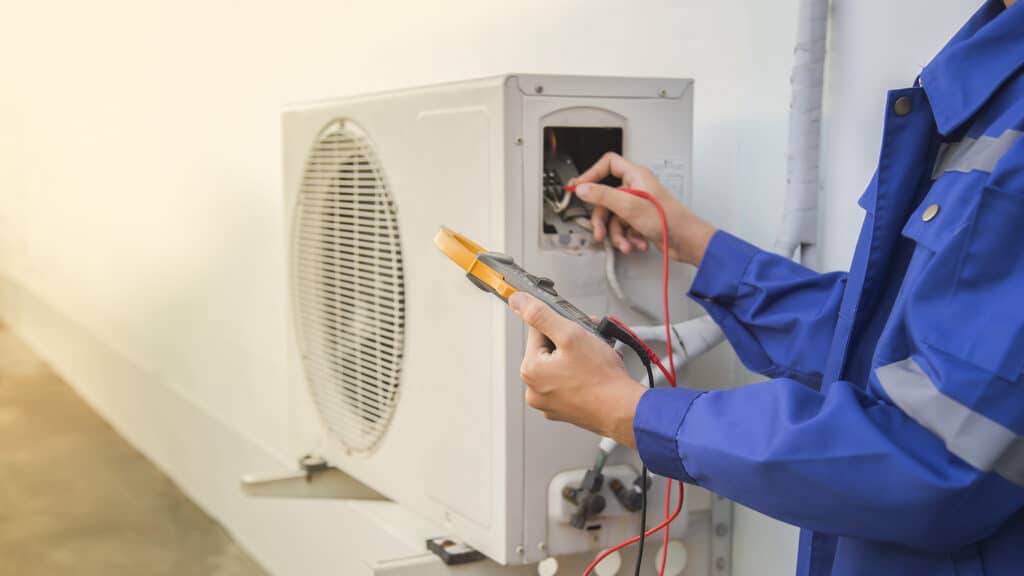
x: 670, y: 375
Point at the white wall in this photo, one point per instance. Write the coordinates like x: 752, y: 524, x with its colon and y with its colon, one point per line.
x: 140, y: 175
x: 140, y: 155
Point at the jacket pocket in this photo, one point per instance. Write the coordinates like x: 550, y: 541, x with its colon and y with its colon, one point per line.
x: 977, y: 277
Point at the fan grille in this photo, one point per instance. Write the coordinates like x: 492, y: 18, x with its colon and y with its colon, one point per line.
x: 348, y: 286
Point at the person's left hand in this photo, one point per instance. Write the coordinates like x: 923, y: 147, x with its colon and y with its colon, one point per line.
x: 573, y: 376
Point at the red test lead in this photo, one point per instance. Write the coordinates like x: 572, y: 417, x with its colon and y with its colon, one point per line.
x: 670, y: 375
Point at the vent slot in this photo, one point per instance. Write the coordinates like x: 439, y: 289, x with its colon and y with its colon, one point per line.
x: 348, y: 287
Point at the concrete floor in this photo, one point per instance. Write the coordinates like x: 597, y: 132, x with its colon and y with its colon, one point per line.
x: 75, y: 498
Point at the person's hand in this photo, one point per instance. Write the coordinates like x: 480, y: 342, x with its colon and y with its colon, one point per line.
x: 573, y: 376
x: 631, y: 222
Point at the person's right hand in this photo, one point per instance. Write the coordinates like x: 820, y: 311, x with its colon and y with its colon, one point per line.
x: 630, y: 222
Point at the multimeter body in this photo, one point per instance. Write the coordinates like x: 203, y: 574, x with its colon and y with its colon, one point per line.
x: 499, y: 274
x: 541, y: 288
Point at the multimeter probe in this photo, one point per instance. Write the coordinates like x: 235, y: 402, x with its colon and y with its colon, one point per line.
x: 498, y: 274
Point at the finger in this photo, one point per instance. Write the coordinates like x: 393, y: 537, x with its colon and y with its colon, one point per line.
x: 618, y: 236
x: 613, y: 199
x: 599, y: 218
x: 539, y: 315
x: 638, y: 240
x: 611, y: 164
x: 537, y: 344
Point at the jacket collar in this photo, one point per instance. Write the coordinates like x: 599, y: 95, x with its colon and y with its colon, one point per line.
x: 986, y: 52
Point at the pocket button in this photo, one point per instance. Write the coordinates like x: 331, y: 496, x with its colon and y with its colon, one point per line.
x: 930, y: 213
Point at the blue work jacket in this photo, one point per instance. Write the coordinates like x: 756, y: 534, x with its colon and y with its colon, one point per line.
x: 891, y: 428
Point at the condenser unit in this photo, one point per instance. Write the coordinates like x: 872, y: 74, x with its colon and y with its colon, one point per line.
x: 405, y: 375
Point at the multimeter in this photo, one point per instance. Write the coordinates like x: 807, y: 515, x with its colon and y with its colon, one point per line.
x: 498, y: 274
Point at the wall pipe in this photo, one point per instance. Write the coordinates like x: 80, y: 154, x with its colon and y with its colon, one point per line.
x: 799, y: 228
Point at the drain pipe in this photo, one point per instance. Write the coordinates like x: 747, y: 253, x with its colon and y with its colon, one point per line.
x: 799, y: 228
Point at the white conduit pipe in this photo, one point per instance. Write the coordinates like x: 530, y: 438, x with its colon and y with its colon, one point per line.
x: 693, y: 337
x: 799, y: 228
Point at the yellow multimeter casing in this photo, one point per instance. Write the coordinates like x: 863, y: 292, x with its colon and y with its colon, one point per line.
x: 499, y: 274
x: 466, y: 254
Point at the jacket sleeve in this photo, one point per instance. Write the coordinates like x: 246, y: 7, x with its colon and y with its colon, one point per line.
x: 779, y: 316
x: 929, y: 456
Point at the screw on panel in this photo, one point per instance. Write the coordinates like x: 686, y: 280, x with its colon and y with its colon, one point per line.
x: 542, y: 546
x: 520, y: 550
x: 518, y: 140
x: 720, y: 563
x: 662, y: 93
x: 721, y: 529
x: 538, y: 89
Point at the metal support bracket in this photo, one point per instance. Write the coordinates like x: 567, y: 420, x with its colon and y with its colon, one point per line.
x: 453, y: 553
x: 315, y: 478
x: 721, y: 536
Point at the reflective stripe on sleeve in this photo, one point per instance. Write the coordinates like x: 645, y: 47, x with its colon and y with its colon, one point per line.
x: 981, y: 442
x: 971, y: 154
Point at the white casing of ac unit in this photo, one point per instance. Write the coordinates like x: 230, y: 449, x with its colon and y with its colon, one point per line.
x: 461, y: 448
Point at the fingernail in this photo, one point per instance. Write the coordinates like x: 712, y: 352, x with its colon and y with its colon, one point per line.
x: 515, y: 301
x: 583, y: 190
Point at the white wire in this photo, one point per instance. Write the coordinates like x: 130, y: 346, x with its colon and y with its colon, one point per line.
x: 562, y: 204
x: 612, y: 276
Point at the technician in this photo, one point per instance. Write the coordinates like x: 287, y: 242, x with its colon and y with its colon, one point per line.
x: 891, y: 428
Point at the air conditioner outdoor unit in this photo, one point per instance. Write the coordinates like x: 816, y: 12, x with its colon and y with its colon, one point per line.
x: 404, y: 374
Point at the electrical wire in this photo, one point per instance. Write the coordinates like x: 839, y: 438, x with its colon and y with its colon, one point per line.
x: 670, y: 375
x: 635, y: 539
x: 651, y: 354
x: 562, y: 204
x: 668, y: 340
x: 643, y: 491
x: 612, y: 277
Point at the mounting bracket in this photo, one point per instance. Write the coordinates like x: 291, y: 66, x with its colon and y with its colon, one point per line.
x: 315, y: 478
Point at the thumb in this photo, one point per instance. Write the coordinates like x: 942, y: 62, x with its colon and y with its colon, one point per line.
x: 613, y: 199
x: 539, y: 315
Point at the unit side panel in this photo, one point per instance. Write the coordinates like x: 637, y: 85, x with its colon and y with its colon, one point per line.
x: 515, y: 332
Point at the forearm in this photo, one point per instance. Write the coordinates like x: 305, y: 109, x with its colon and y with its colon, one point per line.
x: 620, y: 411
x: 689, y: 234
